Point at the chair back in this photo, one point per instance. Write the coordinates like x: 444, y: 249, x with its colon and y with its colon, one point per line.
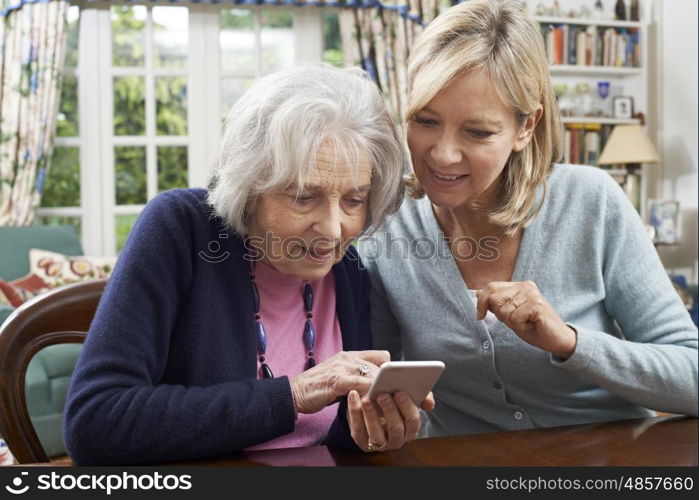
x: 60, y: 316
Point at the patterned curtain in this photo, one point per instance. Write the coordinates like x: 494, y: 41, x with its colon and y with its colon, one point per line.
x: 32, y: 42
x: 378, y: 36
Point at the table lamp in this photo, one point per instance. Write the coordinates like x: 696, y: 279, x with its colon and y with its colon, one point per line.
x: 629, y: 147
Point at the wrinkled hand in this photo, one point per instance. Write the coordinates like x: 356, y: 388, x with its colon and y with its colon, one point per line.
x: 399, y: 424
x: 323, y: 384
x: 526, y: 312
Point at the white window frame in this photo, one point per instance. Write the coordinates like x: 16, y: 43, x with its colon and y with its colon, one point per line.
x: 95, y: 102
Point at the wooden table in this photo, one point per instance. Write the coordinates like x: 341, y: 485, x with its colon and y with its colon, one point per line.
x: 662, y: 441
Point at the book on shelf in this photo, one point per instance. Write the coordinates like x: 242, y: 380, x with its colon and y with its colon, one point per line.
x: 580, y: 55
x: 592, y: 150
x: 572, y: 52
x: 558, y: 45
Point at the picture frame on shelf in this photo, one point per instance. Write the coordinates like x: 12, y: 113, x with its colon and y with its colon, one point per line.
x: 623, y: 106
x: 664, y: 218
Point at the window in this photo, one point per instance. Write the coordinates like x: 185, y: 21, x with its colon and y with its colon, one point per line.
x: 145, y: 92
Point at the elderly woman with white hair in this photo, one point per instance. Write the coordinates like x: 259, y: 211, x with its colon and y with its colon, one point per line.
x: 238, y: 317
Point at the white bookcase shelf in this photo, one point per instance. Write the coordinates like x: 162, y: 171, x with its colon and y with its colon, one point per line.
x: 588, y: 22
x: 566, y: 69
x: 599, y: 119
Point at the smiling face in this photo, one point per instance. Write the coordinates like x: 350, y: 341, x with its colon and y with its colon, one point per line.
x: 461, y: 140
x: 305, y: 233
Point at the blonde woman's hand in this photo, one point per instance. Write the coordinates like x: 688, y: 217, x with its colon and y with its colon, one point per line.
x: 316, y: 388
x: 522, y: 307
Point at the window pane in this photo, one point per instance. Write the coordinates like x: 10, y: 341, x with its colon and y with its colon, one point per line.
x: 67, y: 119
x: 129, y: 106
x: 123, y: 225
x: 130, y: 173
x: 237, y: 41
x: 277, y: 39
x: 171, y: 105
x: 231, y: 90
x: 55, y: 220
x: 62, y: 183
x: 332, y: 42
x: 170, y: 36
x: 172, y: 168
x: 128, y: 35
x: 71, y: 57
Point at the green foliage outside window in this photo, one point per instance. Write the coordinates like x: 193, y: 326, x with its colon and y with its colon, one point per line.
x: 62, y: 185
x: 67, y: 119
x: 236, y: 19
x: 128, y: 35
x: 276, y: 18
x: 171, y: 105
x: 124, y: 223
x: 71, y: 57
x: 130, y: 175
x: 129, y: 105
x: 332, y: 41
x: 172, y: 167
x: 56, y: 220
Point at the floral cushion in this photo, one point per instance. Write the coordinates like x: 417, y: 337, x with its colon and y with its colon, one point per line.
x: 8, y: 295
x: 57, y: 269
x: 15, y: 293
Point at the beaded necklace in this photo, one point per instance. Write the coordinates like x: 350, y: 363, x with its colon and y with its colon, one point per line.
x: 309, y: 331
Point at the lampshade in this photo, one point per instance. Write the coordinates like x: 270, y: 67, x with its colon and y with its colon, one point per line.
x: 628, y: 144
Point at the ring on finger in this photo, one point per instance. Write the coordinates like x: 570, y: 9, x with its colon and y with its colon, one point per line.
x: 363, y: 369
x: 371, y: 446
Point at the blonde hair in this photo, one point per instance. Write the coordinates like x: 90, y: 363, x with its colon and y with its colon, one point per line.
x: 499, y: 37
x: 275, y: 130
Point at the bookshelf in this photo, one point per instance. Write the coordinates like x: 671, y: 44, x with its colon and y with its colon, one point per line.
x: 583, y: 52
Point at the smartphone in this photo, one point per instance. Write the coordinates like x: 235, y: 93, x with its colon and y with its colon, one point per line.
x: 414, y: 377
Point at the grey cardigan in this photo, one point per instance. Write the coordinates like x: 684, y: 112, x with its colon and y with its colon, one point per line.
x: 590, y: 256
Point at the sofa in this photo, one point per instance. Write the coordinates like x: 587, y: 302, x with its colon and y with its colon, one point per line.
x: 49, y: 372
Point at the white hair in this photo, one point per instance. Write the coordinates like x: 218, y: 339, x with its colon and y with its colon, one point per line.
x: 274, y: 131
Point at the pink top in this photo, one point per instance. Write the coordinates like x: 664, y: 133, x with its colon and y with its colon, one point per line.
x: 281, y: 308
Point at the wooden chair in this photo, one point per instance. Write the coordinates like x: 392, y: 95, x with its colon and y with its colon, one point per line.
x: 60, y: 316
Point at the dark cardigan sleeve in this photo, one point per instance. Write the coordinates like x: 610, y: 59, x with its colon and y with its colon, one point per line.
x: 339, y: 434
x: 117, y: 410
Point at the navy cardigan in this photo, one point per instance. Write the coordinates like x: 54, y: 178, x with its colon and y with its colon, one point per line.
x: 169, y: 368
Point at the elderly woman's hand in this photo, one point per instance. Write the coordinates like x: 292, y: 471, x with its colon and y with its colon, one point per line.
x: 522, y: 307
x: 399, y: 424
x: 323, y: 384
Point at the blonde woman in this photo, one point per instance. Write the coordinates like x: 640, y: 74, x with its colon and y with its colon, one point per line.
x: 535, y: 282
